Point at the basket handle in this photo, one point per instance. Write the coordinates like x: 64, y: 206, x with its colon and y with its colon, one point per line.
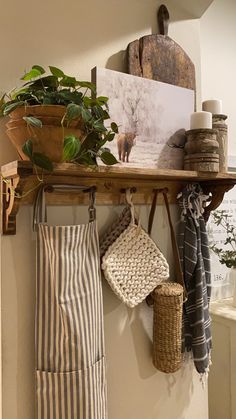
x: 179, y: 272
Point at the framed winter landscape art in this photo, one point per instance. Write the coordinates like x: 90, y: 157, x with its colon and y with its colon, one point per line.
x: 152, y: 119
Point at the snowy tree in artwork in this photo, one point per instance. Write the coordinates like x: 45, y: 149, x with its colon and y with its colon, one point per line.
x: 152, y: 119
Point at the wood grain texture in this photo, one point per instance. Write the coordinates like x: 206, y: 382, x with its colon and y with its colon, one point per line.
x: 20, y: 177
x: 202, y: 150
x: 222, y: 137
x: 68, y: 170
x: 158, y: 57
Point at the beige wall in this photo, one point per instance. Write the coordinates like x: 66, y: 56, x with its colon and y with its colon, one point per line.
x: 77, y: 36
x: 218, y: 35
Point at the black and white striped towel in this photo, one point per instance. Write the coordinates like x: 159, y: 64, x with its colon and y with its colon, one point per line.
x: 195, y: 259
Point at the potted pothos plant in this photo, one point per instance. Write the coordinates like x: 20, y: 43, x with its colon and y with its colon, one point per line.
x: 54, y: 117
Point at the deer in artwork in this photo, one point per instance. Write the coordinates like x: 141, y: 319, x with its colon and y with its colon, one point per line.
x: 125, y: 142
x: 126, y: 139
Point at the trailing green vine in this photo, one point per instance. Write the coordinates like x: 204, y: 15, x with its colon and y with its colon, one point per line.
x: 226, y: 257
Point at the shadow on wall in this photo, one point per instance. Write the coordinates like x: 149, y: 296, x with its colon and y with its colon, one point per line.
x: 131, y: 350
x: 117, y: 62
x: 62, y: 32
x: 18, y: 299
x: 8, y: 152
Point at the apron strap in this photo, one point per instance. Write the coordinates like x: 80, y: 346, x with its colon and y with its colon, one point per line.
x: 40, y: 208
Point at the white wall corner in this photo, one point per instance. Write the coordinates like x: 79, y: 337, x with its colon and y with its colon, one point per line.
x: 194, y: 9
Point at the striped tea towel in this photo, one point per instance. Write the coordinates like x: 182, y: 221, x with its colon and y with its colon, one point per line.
x: 195, y: 259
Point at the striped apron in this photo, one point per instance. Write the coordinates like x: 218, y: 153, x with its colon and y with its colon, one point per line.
x: 70, y: 364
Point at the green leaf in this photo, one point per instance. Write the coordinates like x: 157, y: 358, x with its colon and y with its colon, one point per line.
x: 56, y: 72
x: 87, y: 158
x: 110, y: 136
x: 9, y: 108
x: 71, y: 147
x: 86, y: 115
x: 108, y: 158
x: 68, y: 82
x: 114, y: 127
x: 87, y: 85
x: 91, y: 142
x: 42, y: 161
x: 2, y: 99
x: 2, y: 104
x: 31, y: 120
x: 102, y: 99
x: 73, y: 111
x: 39, y: 68
x: 67, y: 96
x: 105, y: 115
x: 99, y: 126
x: 39, y: 84
x: 49, y: 100
x: 100, y: 144
x: 88, y: 101
x: 14, y: 94
x: 98, y: 112
x: 32, y: 74
x: 27, y: 148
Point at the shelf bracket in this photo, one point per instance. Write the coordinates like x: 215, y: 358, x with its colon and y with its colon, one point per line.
x: 10, y: 204
x: 217, y: 196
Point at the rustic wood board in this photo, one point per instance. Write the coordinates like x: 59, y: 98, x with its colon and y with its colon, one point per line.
x: 158, y: 57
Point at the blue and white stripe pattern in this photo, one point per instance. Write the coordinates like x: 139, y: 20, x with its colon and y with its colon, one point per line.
x: 70, y: 363
x: 195, y: 259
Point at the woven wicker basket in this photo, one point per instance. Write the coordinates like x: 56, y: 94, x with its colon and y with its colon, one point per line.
x: 167, y: 326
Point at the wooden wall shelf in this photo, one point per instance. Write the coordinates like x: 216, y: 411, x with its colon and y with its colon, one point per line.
x: 20, y: 183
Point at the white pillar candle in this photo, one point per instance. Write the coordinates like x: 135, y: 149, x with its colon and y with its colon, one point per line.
x: 213, y: 106
x: 201, y: 120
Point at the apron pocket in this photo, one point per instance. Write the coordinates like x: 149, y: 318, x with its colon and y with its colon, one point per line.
x: 72, y: 395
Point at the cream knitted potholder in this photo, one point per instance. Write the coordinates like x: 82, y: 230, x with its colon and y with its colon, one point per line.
x: 133, y: 265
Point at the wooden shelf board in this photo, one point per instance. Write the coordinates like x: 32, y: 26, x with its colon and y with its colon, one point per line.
x: 109, y: 181
x: 25, y: 169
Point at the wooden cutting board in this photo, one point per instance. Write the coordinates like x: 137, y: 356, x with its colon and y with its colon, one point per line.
x: 158, y: 57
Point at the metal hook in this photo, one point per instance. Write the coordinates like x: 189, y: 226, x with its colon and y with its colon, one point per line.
x: 92, y: 209
x: 65, y: 187
x: 132, y: 190
x: 161, y: 190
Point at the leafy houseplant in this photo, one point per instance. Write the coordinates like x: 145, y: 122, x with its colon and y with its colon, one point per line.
x: 54, y: 117
x: 227, y: 257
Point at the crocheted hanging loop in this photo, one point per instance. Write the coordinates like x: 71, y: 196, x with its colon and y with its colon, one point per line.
x: 120, y: 224
x: 133, y: 265
x: 129, y: 200
x: 135, y: 218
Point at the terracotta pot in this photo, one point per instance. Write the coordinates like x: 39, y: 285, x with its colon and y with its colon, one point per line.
x: 46, y: 120
x: 48, y: 114
x: 47, y: 140
x: 38, y: 110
